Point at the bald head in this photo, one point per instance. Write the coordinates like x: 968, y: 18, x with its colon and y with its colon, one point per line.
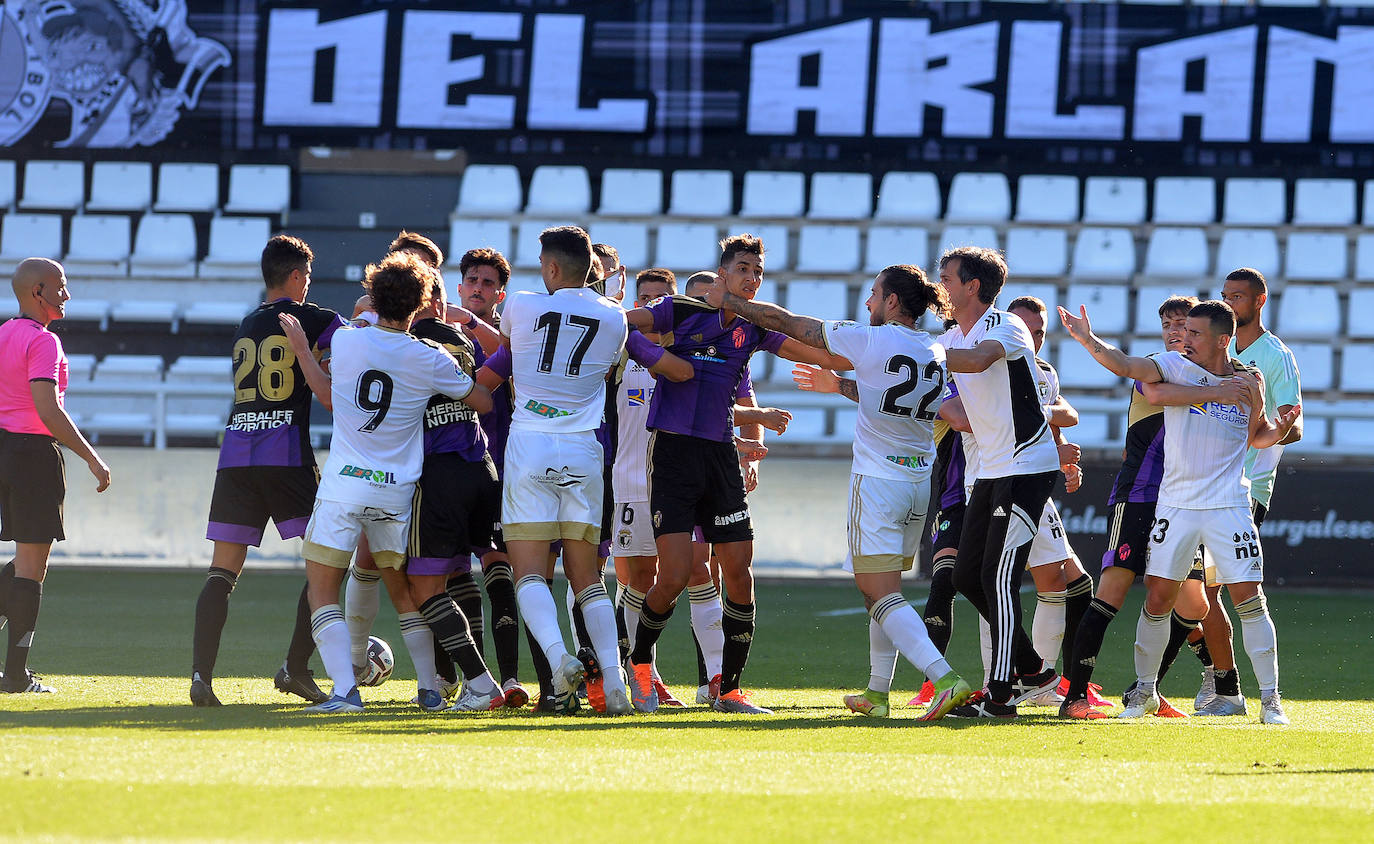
x: 32, y: 272
x: 40, y: 285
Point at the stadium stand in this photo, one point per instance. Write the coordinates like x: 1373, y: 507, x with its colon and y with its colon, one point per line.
x: 121, y: 186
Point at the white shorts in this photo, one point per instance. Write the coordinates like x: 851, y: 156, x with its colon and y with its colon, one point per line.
x: 1051, y: 543
x: 552, y: 487
x: 1229, y: 537
x: 633, y: 530
x: 886, y: 519
x: 335, y: 527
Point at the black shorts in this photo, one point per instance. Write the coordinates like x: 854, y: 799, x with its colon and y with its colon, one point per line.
x: 1002, y: 513
x: 245, y: 497
x: 607, y: 504
x: 1129, y: 535
x: 33, y: 485
x: 945, y: 530
x: 456, y: 503
x: 693, y: 482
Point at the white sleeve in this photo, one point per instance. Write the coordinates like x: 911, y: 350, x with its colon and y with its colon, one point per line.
x: 1172, y: 366
x: 448, y: 378
x: 1012, y: 333
x: 845, y: 338
x: 508, y: 313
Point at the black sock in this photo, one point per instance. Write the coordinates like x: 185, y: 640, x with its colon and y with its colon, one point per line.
x: 1077, y: 598
x: 1228, y: 682
x: 737, y: 620
x: 443, y: 663
x: 25, y: 596
x: 212, y: 610
x: 542, y: 672
x: 451, y: 629
x: 1179, y: 628
x: 1199, y: 649
x: 1086, y: 647
x: 6, y: 580
x: 505, y: 623
x: 702, y: 679
x: 584, y: 639
x: 939, y: 609
x: 651, y: 624
x: 302, y: 640
x: 465, y: 593
x: 622, y: 633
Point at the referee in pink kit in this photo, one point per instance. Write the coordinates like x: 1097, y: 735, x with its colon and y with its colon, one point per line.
x: 33, y: 378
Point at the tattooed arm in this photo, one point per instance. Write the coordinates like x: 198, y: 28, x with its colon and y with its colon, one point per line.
x: 806, y: 334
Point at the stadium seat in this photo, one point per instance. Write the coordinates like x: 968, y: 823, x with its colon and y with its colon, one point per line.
x: 1361, y: 305
x: 1255, y: 202
x: 196, y: 416
x: 1107, y: 305
x: 1307, y: 310
x: 144, y: 315
x: 701, y: 193
x: 215, y: 313
x: 807, y: 425
x: 828, y: 249
x: 527, y: 245
x: 1316, y: 433
x: 1258, y: 248
x: 1352, y: 432
x: 759, y: 363
x: 955, y: 236
x: 1324, y: 202
x: 490, y: 190
x: 978, y: 197
x: 259, y: 189
x: 631, y: 240
x: 83, y: 309
x: 165, y: 245
x: 199, y: 369
x: 1316, y: 256
x: 29, y: 235
x: 559, y: 190
x: 1177, y: 253
x: 1364, y: 257
x: 1047, y: 293
x: 1147, y: 302
x: 841, y: 196
x: 908, y: 196
x: 466, y: 233
x: 1038, y: 253
x: 888, y: 245
x: 1143, y: 346
x: 187, y: 187
x: 1092, y: 431
x: 80, y: 367
x: 773, y: 194
x: 236, y: 247
x: 777, y: 248
x: 7, y: 181
x: 687, y: 247
x: 138, y: 367
x: 1314, y: 365
x: 121, y: 186
x: 1103, y: 253
x: 1357, y: 368
x: 1185, y: 200
x: 846, y: 418
x: 1047, y: 199
x: 827, y: 300
x: 54, y: 185
x: 1112, y: 199
x: 1367, y: 209
x: 99, y: 245
x: 631, y: 193
x: 1078, y: 370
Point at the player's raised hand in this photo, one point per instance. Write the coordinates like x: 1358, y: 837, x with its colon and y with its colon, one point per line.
x: 1079, y: 327
x: 1237, y: 390
x: 101, y: 472
x: 1286, y: 421
x: 295, y: 335
x: 814, y: 379
x: 774, y: 419
x: 750, y: 450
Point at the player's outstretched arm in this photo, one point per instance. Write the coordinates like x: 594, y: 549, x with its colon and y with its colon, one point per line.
x: 952, y: 411
x: 1265, y: 432
x: 774, y: 419
x: 1061, y: 413
x: 805, y: 335
x: 673, y: 368
x: 479, y: 399
x: 60, y: 425
x: 640, y: 319
x: 1165, y: 394
x: 1113, y: 359
x: 315, y: 375
x: 977, y: 359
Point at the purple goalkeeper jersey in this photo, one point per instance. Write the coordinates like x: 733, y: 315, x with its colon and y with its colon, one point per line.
x: 704, y: 405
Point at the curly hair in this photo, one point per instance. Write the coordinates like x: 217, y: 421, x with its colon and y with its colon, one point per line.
x: 399, y: 286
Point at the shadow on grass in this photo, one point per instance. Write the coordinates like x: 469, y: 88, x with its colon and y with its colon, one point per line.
x: 1281, y: 771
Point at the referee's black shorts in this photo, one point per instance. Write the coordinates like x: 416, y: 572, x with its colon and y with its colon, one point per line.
x: 33, y: 486
x: 693, y: 482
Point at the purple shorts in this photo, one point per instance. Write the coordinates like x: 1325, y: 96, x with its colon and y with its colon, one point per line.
x: 439, y: 565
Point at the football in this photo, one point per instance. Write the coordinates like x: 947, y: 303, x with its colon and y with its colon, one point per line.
x: 380, y: 662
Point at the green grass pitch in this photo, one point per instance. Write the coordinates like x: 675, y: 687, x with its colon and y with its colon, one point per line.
x: 118, y: 752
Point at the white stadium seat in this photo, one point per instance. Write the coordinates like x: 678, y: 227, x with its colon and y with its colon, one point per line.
x: 559, y: 190
x: 490, y: 189
x: 1314, y: 365
x: 1351, y: 432
x: 526, y: 283
x: 1077, y: 369
x: 165, y: 245
x: 1039, y: 253
x: 807, y: 425
x: 759, y: 362
x: 29, y: 235
x: 888, y: 245
x: 1255, y: 202
x: 54, y: 185
x: 1358, y: 313
x: 1367, y: 209
x: 1177, y: 253
x: 466, y: 233
x: 259, y: 189
x: 99, y: 245
x: 1316, y: 256
x: 196, y: 416
x: 631, y: 193
x: 1306, y: 310
x: 80, y: 367
x: 1258, y: 248
x: 1107, y: 305
x: 701, y: 193
x: 773, y: 194
x: 7, y: 181
x: 1364, y: 257
x: 908, y: 196
x: 1114, y: 199
x: 153, y: 312
x: 954, y: 236
x: 236, y: 247
x: 1357, y: 368
x: 828, y: 249
x: 121, y: 186
x: 527, y: 246
x: 631, y: 240
x: 216, y: 313
x: 1147, y: 302
x: 978, y: 197
x: 827, y: 300
x: 687, y: 247
x: 776, y: 239
x: 845, y: 420
x: 199, y: 369
x: 187, y: 187
x: 1047, y: 293
x: 1324, y: 202
x: 1047, y: 199
x: 82, y: 309
x: 841, y: 196
x: 1185, y: 200
x: 1092, y: 431
x: 1103, y: 253
x: 141, y: 367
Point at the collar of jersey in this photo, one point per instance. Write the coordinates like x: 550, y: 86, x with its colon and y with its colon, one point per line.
x: 901, y: 325
x: 387, y: 328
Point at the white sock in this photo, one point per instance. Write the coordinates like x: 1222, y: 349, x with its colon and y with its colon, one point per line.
x: 540, y: 614
x: 882, y: 658
x: 985, y: 641
x: 483, y: 684
x: 634, y: 607
x: 1261, y: 642
x: 568, y: 600
x: 331, y: 638
x: 1151, y: 638
x: 420, y: 644
x: 907, y: 632
x: 362, y: 599
x: 600, y: 619
x: 706, y: 624
x: 1047, y: 627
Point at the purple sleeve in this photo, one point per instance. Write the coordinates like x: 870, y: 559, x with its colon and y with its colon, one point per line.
x: 500, y: 363
x: 643, y: 352
x: 479, y: 356
x: 772, y: 341
x: 746, y: 387
x: 953, y: 389
x: 662, y: 311
x: 328, y: 334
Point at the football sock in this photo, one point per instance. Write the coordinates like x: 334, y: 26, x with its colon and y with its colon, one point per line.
x: 1261, y: 642
x: 1047, y: 625
x: 1227, y: 682
x: 633, y: 603
x: 622, y: 633
x: 451, y: 630
x: 882, y: 658
x: 1086, y: 647
x: 25, y: 597
x: 985, y: 647
x: 1076, y: 600
x: 542, y: 673
x: 1151, y: 637
x: 1179, y: 628
x: 6, y: 580
x: 1199, y: 649
x: 420, y: 644
x: 707, y: 626
x: 443, y: 663
x: 535, y: 598
x: 212, y: 610
x: 600, y: 618
x: 907, y: 633
x: 505, y: 625
x: 702, y: 677
x: 465, y: 593
x: 737, y: 625
x: 581, y: 635
x: 362, y: 600
x: 302, y: 643
x: 939, y: 609
x: 646, y: 634
x: 331, y: 638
